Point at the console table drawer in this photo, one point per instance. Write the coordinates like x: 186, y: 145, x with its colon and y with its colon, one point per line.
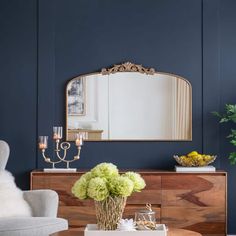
x: 78, y: 216
x: 56, y: 181
x: 194, y: 190
x: 151, y: 193
x: 205, y: 220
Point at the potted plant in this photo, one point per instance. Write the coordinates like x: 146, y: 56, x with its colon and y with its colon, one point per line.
x: 229, y: 116
x: 109, y: 190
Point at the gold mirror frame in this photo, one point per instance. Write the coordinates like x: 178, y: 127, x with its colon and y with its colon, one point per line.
x: 131, y: 67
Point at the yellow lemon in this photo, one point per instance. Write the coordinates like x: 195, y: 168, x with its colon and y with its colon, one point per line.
x: 193, y: 153
x: 208, y: 157
x: 202, y: 163
x: 199, y: 157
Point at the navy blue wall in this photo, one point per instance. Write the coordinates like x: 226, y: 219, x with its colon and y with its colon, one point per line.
x: 18, y: 88
x: 45, y: 43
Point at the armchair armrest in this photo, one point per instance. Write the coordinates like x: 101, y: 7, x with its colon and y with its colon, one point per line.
x: 44, y: 203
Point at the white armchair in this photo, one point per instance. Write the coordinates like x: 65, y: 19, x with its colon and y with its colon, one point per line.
x: 44, y: 205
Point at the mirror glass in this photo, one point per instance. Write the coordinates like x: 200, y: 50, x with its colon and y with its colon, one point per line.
x: 129, y: 104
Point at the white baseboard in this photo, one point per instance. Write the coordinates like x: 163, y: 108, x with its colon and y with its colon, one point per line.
x: 231, y: 235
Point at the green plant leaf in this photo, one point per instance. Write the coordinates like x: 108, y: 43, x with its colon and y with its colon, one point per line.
x: 232, y: 134
x: 230, y: 115
x: 233, y: 141
x: 232, y: 158
x: 215, y: 113
x: 224, y: 119
x: 233, y: 131
x: 233, y: 118
x: 230, y: 109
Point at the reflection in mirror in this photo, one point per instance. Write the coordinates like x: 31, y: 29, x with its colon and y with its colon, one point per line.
x: 131, y: 104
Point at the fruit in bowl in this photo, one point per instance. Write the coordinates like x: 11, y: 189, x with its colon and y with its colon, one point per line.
x: 194, y: 159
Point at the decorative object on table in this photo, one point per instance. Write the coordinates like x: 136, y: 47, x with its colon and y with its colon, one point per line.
x: 109, y: 189
x: 146, y: 219
x: 195, y: 169
x: 93, y: 230
x: 63, y: 146
x: 126, y: 225
x: 194, y: 159
x: 229, y: 116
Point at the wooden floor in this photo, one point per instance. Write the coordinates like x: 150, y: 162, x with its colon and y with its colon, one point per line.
x: 171, y: 232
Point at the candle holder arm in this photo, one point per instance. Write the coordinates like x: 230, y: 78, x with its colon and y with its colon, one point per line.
x: 64, y: 146
x: 48, y: 160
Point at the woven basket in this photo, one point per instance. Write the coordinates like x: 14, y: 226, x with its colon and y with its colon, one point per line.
x: 109, y: 212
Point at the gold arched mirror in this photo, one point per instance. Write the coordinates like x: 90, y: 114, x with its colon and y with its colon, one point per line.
x: 129, y: 102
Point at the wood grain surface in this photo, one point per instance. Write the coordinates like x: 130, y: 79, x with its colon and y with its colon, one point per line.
x: 195, y: 190
x: 181, y: 232
x: 197, y: 202
x: 192, y: 201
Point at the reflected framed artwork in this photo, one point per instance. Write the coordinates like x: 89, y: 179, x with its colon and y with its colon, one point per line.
x: 76, y: 97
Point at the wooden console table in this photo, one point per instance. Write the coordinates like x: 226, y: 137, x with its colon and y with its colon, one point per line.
x: 182, y: 232
x: 192, y: 201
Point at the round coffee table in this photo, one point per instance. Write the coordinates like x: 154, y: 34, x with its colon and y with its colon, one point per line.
x: 182, y: 232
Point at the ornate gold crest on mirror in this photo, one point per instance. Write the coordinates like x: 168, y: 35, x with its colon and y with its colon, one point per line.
x: 129, y: 102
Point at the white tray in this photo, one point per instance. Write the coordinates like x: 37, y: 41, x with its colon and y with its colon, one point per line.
x: 92, y: 230
x: 195, y: 169
x: 59, y: 170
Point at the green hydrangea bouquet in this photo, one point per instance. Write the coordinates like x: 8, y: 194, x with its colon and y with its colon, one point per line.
x: 109, y: 190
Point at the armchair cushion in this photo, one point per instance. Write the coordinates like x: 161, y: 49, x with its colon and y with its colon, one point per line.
x: 12, y: 202
x: 28, y: 226
x: 43, y: 202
